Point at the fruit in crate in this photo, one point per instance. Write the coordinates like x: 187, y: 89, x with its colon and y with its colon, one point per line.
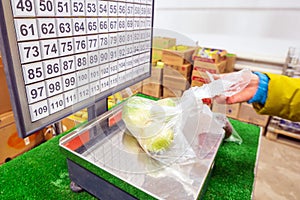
x: 179, y: 48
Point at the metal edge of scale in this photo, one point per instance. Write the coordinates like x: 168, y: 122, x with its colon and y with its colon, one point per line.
x: 88, y: 175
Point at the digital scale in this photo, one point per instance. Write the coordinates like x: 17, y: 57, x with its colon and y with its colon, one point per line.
x: 61, y: 56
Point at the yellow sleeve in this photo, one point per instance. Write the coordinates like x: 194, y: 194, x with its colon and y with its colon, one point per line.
x: 283, y: 98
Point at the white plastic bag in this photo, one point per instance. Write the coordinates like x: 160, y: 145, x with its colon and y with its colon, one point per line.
x: 155, y: 125
x: 166, y: 128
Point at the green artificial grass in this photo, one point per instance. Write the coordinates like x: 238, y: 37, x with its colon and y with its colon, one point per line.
x: 42, y: 172
x: 233, y: 175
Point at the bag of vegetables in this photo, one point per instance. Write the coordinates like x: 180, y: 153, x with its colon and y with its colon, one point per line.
x: 166, y: 128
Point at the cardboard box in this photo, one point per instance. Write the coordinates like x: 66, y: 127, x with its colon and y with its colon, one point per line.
x: 213, y: 68
x: 174, y: 67
x: 163, y: 42
x: 200, y: 76
x: 209, y: 55
x: 248, y: 114
x: 175, y: 82
x: 68, y: 123
x: 71, y: 121
x: 200, y: 80
x: 156, y: 54
x: 5, y: 104
x: 170, y: 71
x: 230, y: 62
x: 185, y: 73
x: 168, y: 92
x: 11, y: 145
x: 152, y: 89
x: 136, y: 88
x: 196, y: 83
x: 231, y: 110
x: 178, y: 55
x: 156, y: 76
x: 154, y: 62
x: 185, y: 70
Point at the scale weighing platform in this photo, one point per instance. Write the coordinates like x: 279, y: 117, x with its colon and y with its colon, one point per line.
x: 106, y: 161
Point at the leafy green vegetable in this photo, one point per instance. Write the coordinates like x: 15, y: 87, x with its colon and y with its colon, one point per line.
x: 159, y: 142
x: 141, y: 118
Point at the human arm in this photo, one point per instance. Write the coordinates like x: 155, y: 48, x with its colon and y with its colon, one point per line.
x: 283, y: 98
x: 244, y: 95
x: 282, y: 95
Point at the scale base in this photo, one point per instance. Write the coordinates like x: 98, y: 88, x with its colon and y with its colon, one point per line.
x: 83, y: 179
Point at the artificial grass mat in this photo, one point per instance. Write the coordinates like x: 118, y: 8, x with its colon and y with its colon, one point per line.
x: 42, y: 173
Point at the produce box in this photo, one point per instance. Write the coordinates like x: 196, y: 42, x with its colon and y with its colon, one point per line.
x: 152, y: 89
x: 168, y: 92
x: 248, y: 114
x: 200, y: 76
x: 231, y: 110
x: 163, y: 42
x: 209, y: 55
x: 156, y: 73
x: 117, y: 98
x: 184, y: 70
x: 175, y: 82
x: 5, y: 104
x: 231, y: 58
x: 178, y: 55
x: 11, y: 145
x: 156, y: 76
x: 72, y: 121
x: 154, y: 62
x: 136, y: 88
x: 195, y: 83
x: 169, y: 71
x: 156, y: 54
x: 213, y: 68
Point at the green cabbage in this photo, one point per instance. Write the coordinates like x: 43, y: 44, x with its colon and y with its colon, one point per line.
x: 151, y: 131
x: 159, y: 142
x: 166, y: 102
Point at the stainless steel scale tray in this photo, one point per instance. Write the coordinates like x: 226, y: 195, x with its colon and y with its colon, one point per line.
x: 105, y: 143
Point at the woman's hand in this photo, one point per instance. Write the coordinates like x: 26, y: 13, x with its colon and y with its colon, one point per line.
x: 243, y: 96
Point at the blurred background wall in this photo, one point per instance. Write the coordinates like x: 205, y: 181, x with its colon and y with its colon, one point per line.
x: 256, y: 29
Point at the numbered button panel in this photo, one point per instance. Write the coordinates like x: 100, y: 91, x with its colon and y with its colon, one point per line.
x: 72, y: 50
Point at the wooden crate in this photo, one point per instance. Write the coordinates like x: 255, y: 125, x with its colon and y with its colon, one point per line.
x: 284, y: 137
